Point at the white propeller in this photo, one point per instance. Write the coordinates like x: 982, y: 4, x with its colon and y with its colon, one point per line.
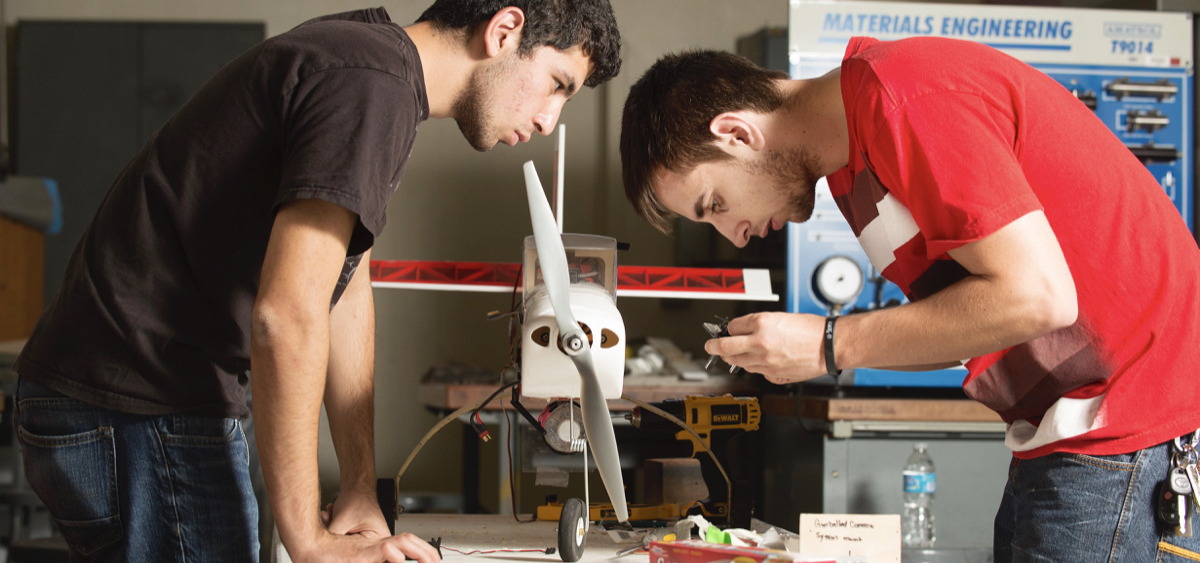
x: 597, y: 424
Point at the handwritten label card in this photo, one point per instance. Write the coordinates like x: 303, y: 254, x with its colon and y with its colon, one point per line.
x: 874, y: 536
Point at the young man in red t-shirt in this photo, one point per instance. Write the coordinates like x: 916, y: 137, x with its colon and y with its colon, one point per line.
x: 1028, y: 239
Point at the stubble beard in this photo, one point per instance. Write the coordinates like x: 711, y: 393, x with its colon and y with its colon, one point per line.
x: 794, y: 171
x: 473, y: 108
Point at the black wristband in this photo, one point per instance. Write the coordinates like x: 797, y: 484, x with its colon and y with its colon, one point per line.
x: 830, y: 364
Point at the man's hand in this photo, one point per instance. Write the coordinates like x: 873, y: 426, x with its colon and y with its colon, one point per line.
x: 355, y: 549
x: 355, y: 513
x: 783, y: 347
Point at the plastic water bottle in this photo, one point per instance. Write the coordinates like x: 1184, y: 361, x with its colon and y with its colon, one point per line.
x: 920, y: 483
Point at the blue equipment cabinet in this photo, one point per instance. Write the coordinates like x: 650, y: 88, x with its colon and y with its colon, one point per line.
x: 1134, y: 69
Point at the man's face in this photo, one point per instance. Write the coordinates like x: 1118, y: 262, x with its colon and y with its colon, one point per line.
x: 511, y: 98
x: 744, y: 198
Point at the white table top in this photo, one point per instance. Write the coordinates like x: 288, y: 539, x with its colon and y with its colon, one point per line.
x: 489, y: 531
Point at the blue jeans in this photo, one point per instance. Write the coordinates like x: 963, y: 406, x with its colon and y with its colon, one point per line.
x: 1079, y: 508
x: 126, y: 487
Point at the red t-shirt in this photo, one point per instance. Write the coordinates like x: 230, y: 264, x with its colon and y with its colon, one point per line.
x: 950, y: 141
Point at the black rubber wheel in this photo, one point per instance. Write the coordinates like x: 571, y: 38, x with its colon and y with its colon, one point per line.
x: 571, y: 526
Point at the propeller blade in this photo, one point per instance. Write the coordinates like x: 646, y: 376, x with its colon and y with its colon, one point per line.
x: 598, y: 428
x: 597, y: 424
x: 551, y: 256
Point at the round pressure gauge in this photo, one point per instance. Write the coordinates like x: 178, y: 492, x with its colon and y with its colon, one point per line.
x: 838, y: 280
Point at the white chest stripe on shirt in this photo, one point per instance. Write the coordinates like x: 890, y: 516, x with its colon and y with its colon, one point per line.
x: 888, y: 232
x: 1066, y: 418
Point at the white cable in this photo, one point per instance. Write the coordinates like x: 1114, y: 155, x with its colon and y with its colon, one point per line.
x: 587, y: 502
x: 429, y: 435
x: 683, y: 425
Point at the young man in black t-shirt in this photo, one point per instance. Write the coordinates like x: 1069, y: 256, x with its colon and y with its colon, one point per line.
x: 233, y: 240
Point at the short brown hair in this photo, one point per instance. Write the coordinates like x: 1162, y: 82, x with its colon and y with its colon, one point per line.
x: 667, y: 115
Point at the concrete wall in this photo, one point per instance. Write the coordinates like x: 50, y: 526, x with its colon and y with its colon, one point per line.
x: 456, y: 204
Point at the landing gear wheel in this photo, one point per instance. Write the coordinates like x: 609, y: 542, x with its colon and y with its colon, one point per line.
x: 572, y: 530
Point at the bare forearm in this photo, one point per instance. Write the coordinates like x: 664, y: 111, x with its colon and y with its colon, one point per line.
x: 1020, y: 288
x: 349, y: 388
x: 289, y: 350
x: 351, y: 409
x: 289, y: 357
x: 966, y: 320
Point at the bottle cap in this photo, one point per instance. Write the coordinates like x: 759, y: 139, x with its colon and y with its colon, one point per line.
x: 921, y: 446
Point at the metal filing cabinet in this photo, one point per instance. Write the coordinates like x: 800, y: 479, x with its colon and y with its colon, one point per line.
x: 854, y: 467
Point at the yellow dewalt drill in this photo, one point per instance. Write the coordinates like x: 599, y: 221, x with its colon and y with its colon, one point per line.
x: 703, y: 415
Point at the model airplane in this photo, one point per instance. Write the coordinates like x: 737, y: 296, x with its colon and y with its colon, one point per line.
x: 552, y: 339
x: 570, y: 325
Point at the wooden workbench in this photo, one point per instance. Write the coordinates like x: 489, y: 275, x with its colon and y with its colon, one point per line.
x: 882, y: 409
x: 843, y: 416
x: 489, y: 531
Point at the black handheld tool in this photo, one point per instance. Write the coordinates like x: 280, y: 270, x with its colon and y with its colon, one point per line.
x: 435, y: 542
x: 718, y: 331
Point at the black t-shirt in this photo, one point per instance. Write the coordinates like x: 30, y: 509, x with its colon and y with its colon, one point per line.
x: 154, y: 312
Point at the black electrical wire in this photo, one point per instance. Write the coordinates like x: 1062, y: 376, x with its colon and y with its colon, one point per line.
x: 512, y: 331
x: 492, y: 397
x: 512, y: 486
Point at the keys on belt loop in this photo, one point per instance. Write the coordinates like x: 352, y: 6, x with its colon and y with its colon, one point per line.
x: 1177, y: 497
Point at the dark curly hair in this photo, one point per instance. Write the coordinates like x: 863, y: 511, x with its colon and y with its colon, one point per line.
x: 561, y: 24
x: 665, y: 125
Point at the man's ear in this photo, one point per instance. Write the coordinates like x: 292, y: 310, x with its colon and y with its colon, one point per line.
x: 502, y: 33
x: 737, y: 131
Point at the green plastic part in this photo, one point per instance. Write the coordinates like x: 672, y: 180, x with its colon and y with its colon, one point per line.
x: 717, y: 535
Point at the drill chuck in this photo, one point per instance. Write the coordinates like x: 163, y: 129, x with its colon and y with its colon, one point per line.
x: 646, y: 420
